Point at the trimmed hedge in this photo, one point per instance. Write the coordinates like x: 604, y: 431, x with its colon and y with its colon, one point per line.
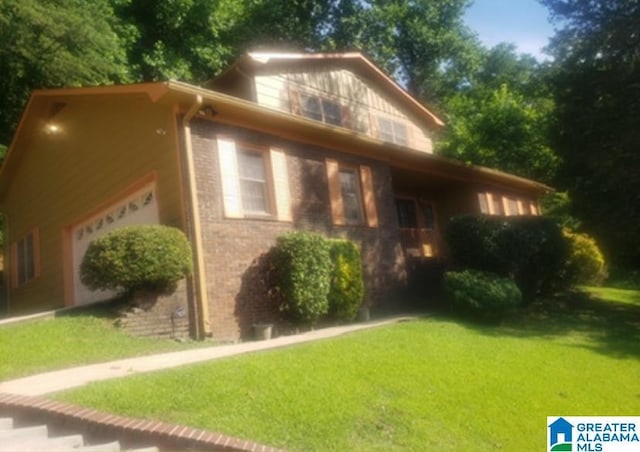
x: 303, y: 263
x: 482, y: 293
x: 530, y: 250
x: 347, y: 284
x: 144, y: 257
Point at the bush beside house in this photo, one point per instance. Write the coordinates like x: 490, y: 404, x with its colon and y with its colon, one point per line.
x: 530, y: 250
x: 144, y: 257
x: 318, y: 276
x: 483, y: 293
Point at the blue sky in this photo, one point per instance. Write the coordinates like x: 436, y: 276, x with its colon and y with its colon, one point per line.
x: 522, y: 22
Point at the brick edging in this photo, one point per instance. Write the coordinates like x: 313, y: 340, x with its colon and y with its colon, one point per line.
x: 124, y: 429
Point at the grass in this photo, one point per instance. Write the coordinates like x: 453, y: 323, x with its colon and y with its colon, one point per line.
x: 615, y: 295
x: 72, y: 340
x: 432, y: 384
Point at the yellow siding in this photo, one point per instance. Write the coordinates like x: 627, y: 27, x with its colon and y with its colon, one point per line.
x: 104, y: 147
x: 364, y: 101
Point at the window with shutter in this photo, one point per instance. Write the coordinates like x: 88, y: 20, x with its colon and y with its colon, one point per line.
x: 351, y: 194
x: 254, y: 181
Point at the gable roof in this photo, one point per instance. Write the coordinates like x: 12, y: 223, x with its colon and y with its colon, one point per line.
x: 357, y: 62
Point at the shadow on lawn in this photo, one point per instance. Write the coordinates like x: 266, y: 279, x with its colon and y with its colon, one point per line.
x: 612, y: 328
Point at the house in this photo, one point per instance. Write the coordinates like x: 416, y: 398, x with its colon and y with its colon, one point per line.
x: 277, y: 142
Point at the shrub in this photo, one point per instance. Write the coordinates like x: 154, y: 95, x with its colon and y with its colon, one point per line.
x: 147, y: 257
x: 531, y: 250
x: 585, y: 264
x: 347, y: 284
x: 303, y: 264
x: 481, y: 292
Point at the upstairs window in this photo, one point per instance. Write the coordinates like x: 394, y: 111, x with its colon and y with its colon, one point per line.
x: 25, y: 257
x: 392, y: 131
x: 319, y: 108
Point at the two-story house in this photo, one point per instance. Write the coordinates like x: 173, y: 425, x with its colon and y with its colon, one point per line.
x: 278, y: 142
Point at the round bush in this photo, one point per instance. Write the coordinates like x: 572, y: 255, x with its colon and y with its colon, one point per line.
x: 347, y: 284
x: 481, y: 292
x: 585, y: 264
x: 303, y: 263
x: 147, y: 257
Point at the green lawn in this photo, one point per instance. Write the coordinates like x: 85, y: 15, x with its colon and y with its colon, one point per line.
x: 432, y: 384
x: 73, y: 340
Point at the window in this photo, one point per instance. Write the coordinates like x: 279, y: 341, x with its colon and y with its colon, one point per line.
x: 351, y: 197
x: 495, y: 204
x: 511, y: 207
x: 483, y: 200
x: 26, y: 258
x: 318, y: 108
x: 407, y: 215
x: 255, y: 182
x: 392, y: 131
x: 351, y: 194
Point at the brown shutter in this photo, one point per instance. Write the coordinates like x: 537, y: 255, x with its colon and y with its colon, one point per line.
x: 335, y: 192
x: 369, y: 196
x: 346, y: 116
x: 294, y: 101
x: 229, y: 174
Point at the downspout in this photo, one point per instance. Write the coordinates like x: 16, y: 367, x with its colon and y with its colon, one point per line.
x: 203, y: 324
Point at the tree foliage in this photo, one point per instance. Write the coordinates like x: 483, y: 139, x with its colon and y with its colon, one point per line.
x: 502, y: 116
x: 597, y: 91
x: 55, y: 43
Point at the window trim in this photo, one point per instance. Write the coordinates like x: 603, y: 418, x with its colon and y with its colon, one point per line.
x: 395, y: 122
x: 269, y: 201
x: 355, y: 171
x: 296, y: 107
x: 278, y: 196
x: 364, y: 178
x: 16, y: 261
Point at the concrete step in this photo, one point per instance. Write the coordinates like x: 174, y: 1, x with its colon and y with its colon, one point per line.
x: 107, y: 447
x: 6, y: 423
x: 26, y: 433
x: 142, y: 449
x: 60, y: 443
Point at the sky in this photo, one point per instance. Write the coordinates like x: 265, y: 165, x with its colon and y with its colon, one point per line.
x: 522, y: 22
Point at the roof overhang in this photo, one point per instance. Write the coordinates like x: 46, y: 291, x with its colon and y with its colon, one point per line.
x: 238, y: 112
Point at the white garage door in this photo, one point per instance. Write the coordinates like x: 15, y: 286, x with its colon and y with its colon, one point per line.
x: 139, y: 208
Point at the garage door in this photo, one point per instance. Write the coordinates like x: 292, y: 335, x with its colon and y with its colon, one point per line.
x: 139, y: 208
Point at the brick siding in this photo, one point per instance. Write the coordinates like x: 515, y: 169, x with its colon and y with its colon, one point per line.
x: 235, y: 249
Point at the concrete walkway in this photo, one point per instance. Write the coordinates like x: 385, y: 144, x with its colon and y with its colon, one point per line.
x: 78, y: 376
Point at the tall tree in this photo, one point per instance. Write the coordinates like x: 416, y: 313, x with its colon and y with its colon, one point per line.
x: 53, y: 43
x: 500, y: 117
x: 597, y: 90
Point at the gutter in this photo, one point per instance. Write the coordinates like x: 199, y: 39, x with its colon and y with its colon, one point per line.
x: 201, y: 311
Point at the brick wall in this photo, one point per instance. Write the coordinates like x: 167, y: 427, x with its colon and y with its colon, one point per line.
x: 235, y: 249
x: 162, y: 316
